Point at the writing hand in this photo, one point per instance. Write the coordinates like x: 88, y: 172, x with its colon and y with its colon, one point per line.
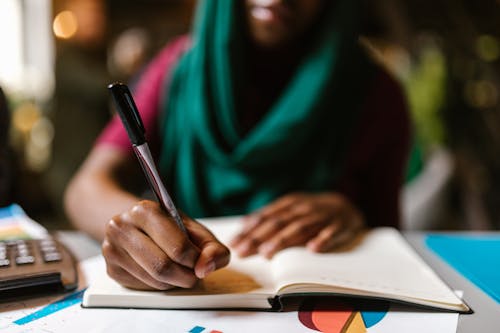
x: 144, y: 249
x: 320, y: 221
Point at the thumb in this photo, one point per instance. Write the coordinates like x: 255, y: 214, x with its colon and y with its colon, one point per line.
x: 214, y: 254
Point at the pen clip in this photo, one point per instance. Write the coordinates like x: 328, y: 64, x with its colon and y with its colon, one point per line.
x: 128, y: 112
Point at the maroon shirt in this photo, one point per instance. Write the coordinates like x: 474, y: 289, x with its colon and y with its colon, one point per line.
x: 376, y: 158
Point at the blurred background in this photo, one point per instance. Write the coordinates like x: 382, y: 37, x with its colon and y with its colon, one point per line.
x: 58, y: 56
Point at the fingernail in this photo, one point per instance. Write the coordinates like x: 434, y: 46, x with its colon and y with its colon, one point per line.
x: 234, y: 242
x: 243, y: 248
x: 252, y: 219
x: 209, y: 268
x: 266, y: 248
x: 250, y: 216
x: 313, y: 247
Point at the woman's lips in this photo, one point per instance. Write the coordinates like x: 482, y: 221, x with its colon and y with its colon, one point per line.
x: 271, y: 11
x: 264, y: 3
x: 262, y: 14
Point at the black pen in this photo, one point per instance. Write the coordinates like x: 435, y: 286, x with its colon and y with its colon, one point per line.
x: 135, y: 129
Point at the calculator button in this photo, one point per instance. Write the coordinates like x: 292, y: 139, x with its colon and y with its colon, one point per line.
x: 23, y: 250
x: 41, y: 260
x: 46, y: 242
x: 51, y: 257
x: 25, y: 260
x: 23, y: 253
x: 48, y: 248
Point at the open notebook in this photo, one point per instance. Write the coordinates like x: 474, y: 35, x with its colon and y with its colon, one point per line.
x: 380, y: 264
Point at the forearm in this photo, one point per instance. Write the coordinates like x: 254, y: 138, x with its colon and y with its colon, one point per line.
x: 92, y: 200
x: 95, y: 195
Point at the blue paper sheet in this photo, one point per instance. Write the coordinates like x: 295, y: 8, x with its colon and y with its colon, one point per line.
x: 11, y: 211
x: 475, y: 257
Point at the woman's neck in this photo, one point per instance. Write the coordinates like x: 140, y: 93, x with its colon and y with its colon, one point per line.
x: 279, y: 60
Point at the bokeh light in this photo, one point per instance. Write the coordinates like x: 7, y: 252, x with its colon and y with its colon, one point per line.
x: 481, y: 94
x: 42, y: 133
x: 39, y: 146
x: 25, y: 116
x: 488, y: 48
x: 65, y: 24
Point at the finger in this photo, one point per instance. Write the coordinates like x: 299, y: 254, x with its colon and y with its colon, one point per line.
x: 249, y: 243
x: 213, y: 257
x: 281, y: 204
x: 126, y: 279
x: 297, y: 233
x: 248, y: 225
x: 249, y: 239
x: 163, y: 230
x: 214, y: 254
x: 122, y: 268
x: 149, y: 256
x: 249, y: 222
x: 331, y: 237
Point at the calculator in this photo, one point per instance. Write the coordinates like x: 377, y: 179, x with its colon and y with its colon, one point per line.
x: 35, y: 266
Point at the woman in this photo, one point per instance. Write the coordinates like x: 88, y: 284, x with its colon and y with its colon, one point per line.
x: 270, y: 109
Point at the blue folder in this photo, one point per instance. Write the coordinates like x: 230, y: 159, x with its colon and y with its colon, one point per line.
x: 476, y: 257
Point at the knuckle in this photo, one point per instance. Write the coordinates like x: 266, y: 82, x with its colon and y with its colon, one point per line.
x: 107, y: 249
x: 278, y: 242
x: 253, y: 240
x: 113, y: 227
x: 116, y: 221
x: 139, y: 208
x: 302, y: 208
x: 125, y: 218
x: 180, y: 251
x: 301, y: 228
x: 160, y: 267
x: 279, y: 223
x: 148, y: 205
x: 144, y: 208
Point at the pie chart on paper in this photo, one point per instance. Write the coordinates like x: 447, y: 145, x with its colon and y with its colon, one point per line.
x: 336, y: 317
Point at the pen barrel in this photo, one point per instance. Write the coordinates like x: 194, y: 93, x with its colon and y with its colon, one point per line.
x: 126, y: 108
x: 146, y: 160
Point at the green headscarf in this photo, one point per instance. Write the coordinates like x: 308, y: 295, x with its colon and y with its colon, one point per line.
x: 299, y: 145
